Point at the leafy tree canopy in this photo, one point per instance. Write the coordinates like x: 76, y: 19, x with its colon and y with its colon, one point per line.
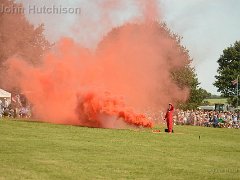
x: 19, y: 37
x: 228, y: 70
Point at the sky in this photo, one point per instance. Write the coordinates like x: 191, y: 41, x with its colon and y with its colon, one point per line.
x: 206, y: 26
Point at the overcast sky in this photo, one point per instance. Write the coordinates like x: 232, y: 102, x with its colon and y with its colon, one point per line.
x: 207, y: 26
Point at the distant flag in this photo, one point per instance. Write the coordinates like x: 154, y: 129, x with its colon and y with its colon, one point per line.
x: 14, y: 99
x: 234, y: 82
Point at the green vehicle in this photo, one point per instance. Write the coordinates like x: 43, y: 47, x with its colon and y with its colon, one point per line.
x: 223, y: 107
x: 220, y: 107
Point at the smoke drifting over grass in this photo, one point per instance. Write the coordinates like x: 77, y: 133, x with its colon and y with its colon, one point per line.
x: 129, y: 72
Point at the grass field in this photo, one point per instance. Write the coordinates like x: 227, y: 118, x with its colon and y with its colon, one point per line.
x: 31, y: 150
x: 215, y: 101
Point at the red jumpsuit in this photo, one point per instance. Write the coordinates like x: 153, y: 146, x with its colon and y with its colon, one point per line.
x: 169, y: 118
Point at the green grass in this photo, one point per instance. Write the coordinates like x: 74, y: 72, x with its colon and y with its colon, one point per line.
x: 30, y: 150
x: 215, y: 101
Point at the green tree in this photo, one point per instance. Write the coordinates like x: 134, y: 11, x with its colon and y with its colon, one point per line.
x: 228, y: 70
x: 20, y: 38
x: 187, y: 77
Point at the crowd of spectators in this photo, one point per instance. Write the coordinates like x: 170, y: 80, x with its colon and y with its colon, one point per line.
x: 23, y: 112
x: 228, y: 119
x: 17, y: 108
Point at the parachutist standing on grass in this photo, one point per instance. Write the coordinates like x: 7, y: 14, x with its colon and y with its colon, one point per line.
x: 169, y: 118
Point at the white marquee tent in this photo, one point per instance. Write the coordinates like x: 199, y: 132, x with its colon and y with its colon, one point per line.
x: 4, y: 94
x: 5, y: 97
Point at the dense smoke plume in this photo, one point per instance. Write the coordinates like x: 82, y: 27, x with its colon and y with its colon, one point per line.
x: 112, y: 86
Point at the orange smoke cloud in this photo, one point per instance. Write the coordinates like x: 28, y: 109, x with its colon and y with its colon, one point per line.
x: 106, y: 111
x: 129, y: 72
x: 137, y: 61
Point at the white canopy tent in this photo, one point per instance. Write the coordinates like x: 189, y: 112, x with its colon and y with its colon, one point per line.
x: 4, y: 94
x: 5, y: 98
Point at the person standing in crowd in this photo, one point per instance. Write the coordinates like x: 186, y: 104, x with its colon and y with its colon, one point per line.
x: 169, y: 118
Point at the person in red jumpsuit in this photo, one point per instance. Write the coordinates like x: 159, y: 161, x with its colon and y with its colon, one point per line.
x: 169, y: 118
